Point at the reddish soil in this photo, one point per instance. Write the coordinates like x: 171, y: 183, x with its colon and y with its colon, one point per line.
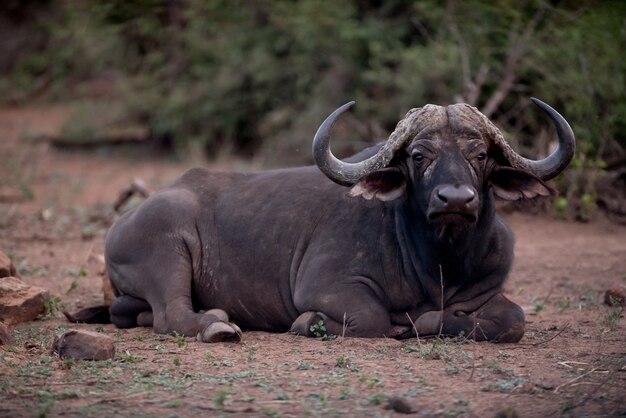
x: 55, y: 207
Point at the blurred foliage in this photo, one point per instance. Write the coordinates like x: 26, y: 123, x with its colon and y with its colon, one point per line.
x: 258, y: 77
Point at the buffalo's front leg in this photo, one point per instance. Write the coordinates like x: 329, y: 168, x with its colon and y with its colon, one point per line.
x: 210, y: 326
x: 498, y: 320
x: 352, y: 310
x: 308, y: 324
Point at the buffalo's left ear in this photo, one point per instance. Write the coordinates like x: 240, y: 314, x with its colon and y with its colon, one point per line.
x: 385, y: 185
x: 511, y: 184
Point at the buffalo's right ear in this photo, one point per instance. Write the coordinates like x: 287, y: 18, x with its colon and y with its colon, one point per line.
x: 385, y: 185
x: 511, y: 184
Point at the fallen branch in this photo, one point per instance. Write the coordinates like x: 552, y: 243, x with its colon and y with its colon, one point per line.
x: 551, y: 338
x: 137, y: 186
x: 569, y: 382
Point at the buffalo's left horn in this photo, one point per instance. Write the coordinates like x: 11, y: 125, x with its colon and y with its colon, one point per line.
x: 556, y: 162
x: 339, y: 171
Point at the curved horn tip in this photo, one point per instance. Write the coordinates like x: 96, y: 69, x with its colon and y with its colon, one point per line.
x: 345, y: 107
x: 539, y: 103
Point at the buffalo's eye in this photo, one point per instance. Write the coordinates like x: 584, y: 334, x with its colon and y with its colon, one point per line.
x: 417, y: 156
x: 481, y: 156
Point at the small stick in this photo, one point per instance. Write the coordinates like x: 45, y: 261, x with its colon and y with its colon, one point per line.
x: 553, y: 337
x: 574, y: 379
x: 441, y: 305
x: 471, y: 376
x: 567, y: 363
x: 417, y: 334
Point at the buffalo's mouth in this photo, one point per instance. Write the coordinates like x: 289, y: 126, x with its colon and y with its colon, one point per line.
x: 444, y: 217
x: 453, y: 204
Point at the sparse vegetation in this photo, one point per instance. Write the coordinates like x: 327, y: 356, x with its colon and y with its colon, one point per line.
x: 319, y: 329
x: 53, y: 306
x: 267, y: 94
x: 220, y: 398
x: 570, y: 369
x: 180, y: 340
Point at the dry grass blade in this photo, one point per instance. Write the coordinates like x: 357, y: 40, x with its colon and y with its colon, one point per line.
x: 417, y: 335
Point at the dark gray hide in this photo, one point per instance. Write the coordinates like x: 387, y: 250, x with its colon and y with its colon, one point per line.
x: 280, y: 250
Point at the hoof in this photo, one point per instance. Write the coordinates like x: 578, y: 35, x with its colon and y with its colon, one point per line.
x: 428, y: 323
x: 145, y: 319
x: 302, y: 324
x: 219, y: 314
x: 220, y: 332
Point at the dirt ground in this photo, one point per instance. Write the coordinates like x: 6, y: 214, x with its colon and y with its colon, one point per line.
x: 55, y: 206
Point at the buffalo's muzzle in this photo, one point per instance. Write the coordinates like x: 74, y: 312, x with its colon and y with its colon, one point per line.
x: 456, y: 201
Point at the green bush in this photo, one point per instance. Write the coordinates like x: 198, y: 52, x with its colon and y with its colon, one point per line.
x: 258, y: 77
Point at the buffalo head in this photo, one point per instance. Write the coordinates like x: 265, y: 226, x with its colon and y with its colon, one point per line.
x: 447, y: 161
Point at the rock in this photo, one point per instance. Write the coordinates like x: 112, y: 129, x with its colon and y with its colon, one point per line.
x: 544, y: 384
x: 84, y: 345
x: 399, y: 404
x: 508, y: 412
x: 6, y: 266
x: 5, y: 335
x: 615, y: 296
x: 20, y: 302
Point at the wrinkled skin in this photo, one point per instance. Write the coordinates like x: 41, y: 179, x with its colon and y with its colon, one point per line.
x: 280, y: 250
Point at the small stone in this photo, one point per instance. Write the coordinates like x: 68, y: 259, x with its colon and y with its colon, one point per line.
x: 7, y: 269
x: 84, y: 345
x: 508, y: 412
x: 399, y: 404
x: 615, y: 296
x: 544, y: 384
x: 20, y: 302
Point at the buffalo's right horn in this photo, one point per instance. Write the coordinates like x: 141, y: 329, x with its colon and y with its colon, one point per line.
x: 345, y: 174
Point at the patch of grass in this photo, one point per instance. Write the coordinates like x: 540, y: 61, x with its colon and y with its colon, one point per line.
x: 174, y: 403
x: 76, y: 271
x: 281, y: 396
x: 376, y: 398
x: 370, y: 381
x: 225, y: 363
x: 180, y: 340
x: 341, y: 361
x: 270, y: 412
x: 220, y: 398
x: 563, y: 304
x: 53, y: 306
x: 538, y: 305
x: 452, y: 370
x: 343, y: 394
x: 503, y: 385
x: 251, y: 351
x: 128, y: 357
x: 611, y: 319
x: 303, y: 365
x: 319, y: 329
x: 73, y: 286
x: 24, y: 269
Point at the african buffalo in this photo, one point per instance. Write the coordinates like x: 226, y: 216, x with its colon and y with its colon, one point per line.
x: 405, y: 239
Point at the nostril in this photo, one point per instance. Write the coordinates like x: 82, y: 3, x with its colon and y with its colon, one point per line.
x: 456, y: 195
